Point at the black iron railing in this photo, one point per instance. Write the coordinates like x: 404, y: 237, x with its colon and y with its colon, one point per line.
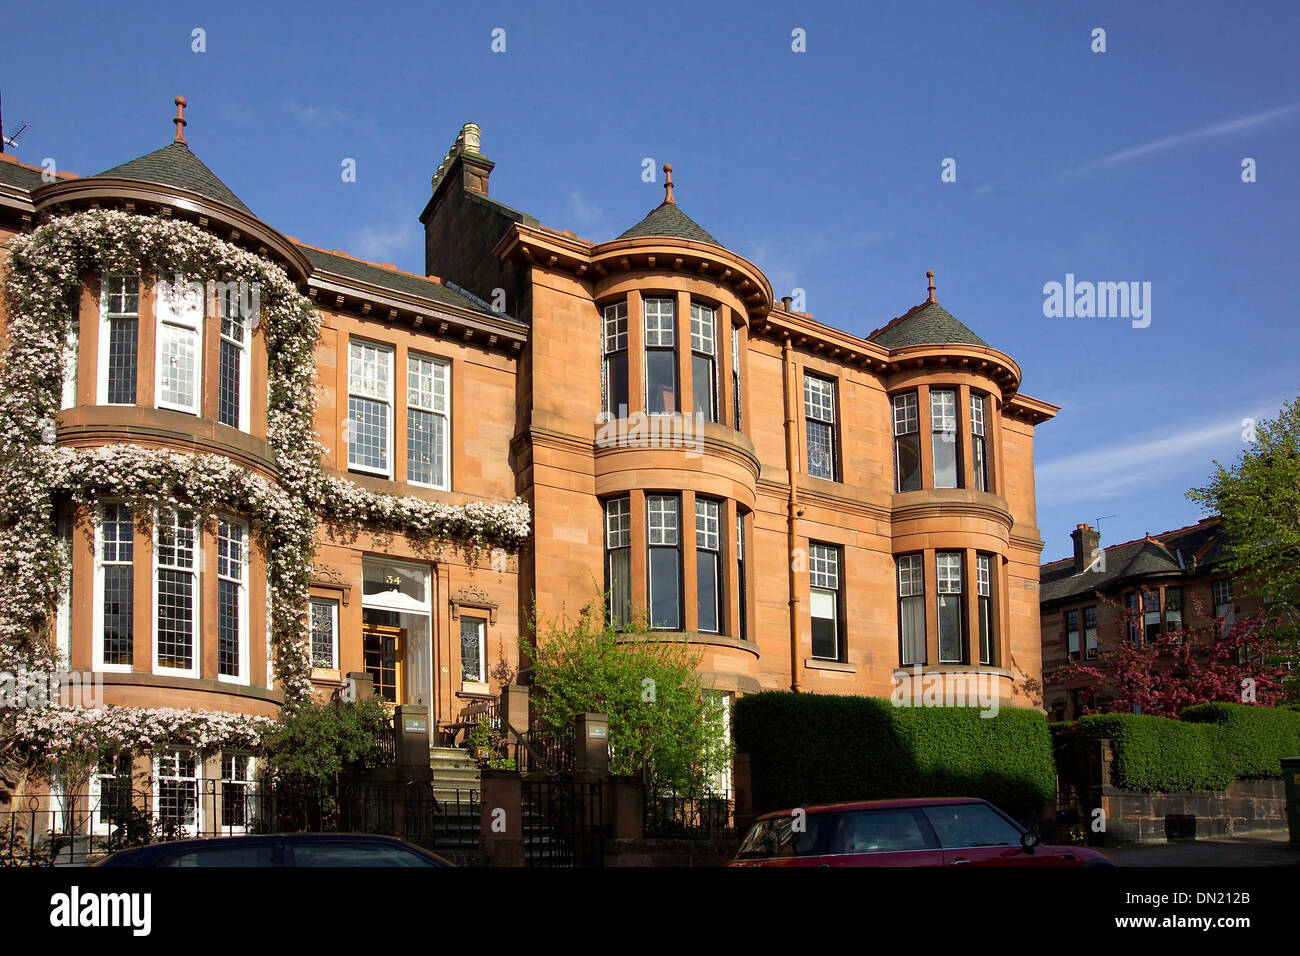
x: 45, y: 829
x: 701, y: 814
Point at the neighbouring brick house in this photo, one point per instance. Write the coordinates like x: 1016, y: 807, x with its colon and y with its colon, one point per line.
x: 1172, y: 580
x: 812, y: 509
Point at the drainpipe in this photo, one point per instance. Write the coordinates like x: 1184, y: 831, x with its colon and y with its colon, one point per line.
x: 792, y: 512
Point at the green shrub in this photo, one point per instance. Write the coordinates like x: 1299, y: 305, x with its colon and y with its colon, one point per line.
x: 1212, y: 746
x: 815, y: 748
x: 314, y: 742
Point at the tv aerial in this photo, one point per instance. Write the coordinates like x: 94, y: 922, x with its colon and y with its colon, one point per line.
x: 10, y: 139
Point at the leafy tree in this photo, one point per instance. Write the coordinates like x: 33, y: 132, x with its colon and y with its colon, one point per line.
x: 661, y: 719
x: 312, y: 743
x: 1259, y: 501
x: 1225, y: 663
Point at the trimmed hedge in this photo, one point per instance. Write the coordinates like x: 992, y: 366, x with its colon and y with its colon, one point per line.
x: 817, y: 748
x: 1209, y: 748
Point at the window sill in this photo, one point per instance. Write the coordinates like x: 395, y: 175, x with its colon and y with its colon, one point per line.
x: 818, y: 664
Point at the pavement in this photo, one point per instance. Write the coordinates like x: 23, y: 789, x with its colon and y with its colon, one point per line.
x: 1251, y: 849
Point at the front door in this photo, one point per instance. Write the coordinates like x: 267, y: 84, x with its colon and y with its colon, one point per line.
x: 383, y: 647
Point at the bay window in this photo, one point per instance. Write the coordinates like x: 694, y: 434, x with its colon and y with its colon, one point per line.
x: 232, y: 600
x: 176, y: 790
x: 708, y: 564
x: 114, y: 614
x: 618, y: 561
x: 907, y: 443
x: 911, y: 609
x: 948, y: 578
x: 660, y: 357
x: 1150, y: 616
x: 984, y: 593
x: 613, y: 371
x: 180, y: 351
x: 824, y: 601
x: 119, y: 332
x: 979, y: 442
x: 427, y: 423
x: 742, y: 623
x: 370, y: 395
x: 237, y: 807
x: 735, y: 376
x: 176, y: 596
x: 664, y: 561
x: 233, y: 373
x: 1173, y: 610
x: 819, y: 417
x: 704, y: 370
x: 943, y: 437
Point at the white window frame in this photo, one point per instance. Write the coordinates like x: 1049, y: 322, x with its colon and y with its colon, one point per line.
x: 910, y: 574
x: 156, y: 775
x: 196, y: 583
x: 95, y: 790
x: 185, y: 316
x: 708, y: 541
x: 333, y: 604
x: 704, y: 343
x: 414, y: 402
x: 242, y: 677
x: 63, y: 615
x: 97, y: 613
x: 71, y: 346
x: 824, y: 578
x: 106, y: 315
x: 248, y: 785
x: 360, y: 389
x: 225, y: 300
x: 819, y: 407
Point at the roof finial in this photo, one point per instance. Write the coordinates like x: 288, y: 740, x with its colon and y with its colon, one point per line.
x: 668, y: 184
x: 930, y: 275
x: 180, y: 120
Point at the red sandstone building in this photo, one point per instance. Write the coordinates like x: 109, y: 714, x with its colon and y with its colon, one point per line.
x: 810, y: 509
x: 1095, y: 599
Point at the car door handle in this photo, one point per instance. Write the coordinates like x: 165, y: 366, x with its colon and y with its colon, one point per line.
x: 959, y: 861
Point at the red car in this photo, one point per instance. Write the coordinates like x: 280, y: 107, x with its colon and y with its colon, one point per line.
x: 943, y: 831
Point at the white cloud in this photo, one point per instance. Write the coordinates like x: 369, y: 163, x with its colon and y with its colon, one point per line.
x: 1191, y: 136
x: 1114, y: 470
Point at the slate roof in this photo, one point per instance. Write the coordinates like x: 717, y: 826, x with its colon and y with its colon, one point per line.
x: 175, y: 165
x: 667, y: 219
x: 926, y: 324
x: 404, y: 282
x: 1200, y: 544
x: 11, y: 174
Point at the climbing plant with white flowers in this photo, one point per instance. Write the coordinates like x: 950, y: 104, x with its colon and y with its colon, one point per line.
x: 44, y: 275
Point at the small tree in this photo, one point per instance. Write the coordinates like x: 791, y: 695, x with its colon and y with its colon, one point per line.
x: 1258, y: 499
x: 312, y: 743
x: 661, y: 718
x: 1220, y: 662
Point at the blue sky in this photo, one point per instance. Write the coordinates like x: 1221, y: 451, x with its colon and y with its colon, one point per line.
x: 823, y: 167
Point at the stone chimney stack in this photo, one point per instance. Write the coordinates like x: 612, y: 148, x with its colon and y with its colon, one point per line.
x: 466, y: 162
x: 1086, y: 541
